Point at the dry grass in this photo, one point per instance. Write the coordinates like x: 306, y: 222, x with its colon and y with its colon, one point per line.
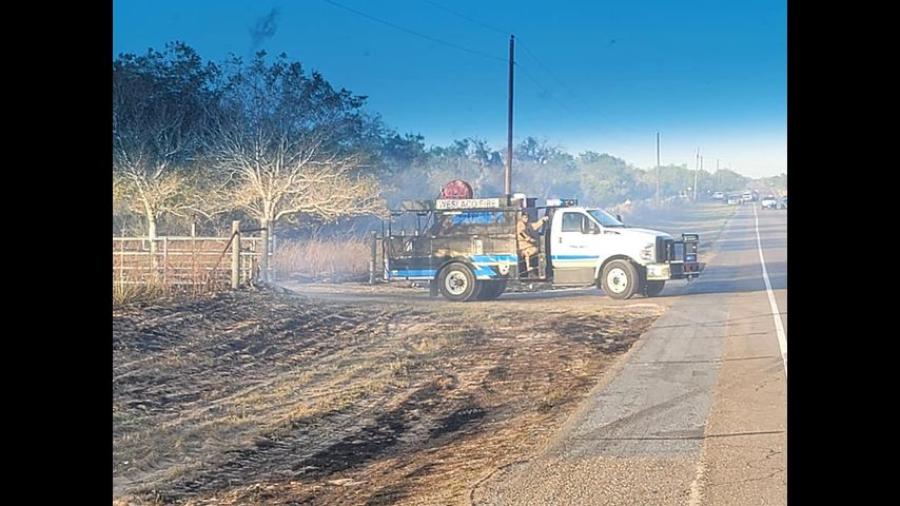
x: 323, y: 259
x: 146, y: 291
x: 127, y: 293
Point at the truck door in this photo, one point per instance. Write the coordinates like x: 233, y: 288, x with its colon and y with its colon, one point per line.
x: 573, y: 240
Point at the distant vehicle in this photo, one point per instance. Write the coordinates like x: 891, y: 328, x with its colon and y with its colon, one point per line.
x: 769, y: 202
x: 734, y: 199
x: 718, y: 196
x: 747, y: 196
x: 784, y: 202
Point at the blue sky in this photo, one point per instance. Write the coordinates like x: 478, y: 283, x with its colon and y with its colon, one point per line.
x: 598, y: 75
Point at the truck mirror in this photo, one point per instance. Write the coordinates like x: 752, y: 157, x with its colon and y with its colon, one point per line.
x: 588, y: 226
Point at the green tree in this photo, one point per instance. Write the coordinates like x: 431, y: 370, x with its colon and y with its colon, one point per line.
x: 607, y: 180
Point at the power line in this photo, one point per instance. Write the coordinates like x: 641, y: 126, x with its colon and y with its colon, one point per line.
x: 413, y: 32
x: 528, y: 74
x: 543, y: 66
x: 546, y: 69
x: 547, y: 92
x: 467, y: 18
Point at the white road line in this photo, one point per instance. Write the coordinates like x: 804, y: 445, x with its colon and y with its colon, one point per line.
x: 779, y: 328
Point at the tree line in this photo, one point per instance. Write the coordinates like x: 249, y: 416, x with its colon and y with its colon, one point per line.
x: 265, y: 140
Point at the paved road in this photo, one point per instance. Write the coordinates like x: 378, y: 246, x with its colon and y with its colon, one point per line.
x: 696, y: 413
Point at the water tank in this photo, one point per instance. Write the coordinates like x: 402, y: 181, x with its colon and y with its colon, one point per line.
x: 457, y: 189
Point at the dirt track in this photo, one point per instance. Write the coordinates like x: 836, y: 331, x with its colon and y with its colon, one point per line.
x: 260, y: 397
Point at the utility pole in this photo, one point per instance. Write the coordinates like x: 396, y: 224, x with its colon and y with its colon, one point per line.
x: 696, y: 168
x: 657, y: 168
x: 696, y: 173
x: 509, y: 128
x: 716, y: 184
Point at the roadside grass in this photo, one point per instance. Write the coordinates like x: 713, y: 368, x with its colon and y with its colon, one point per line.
x: 126, y: 294
x: 319, y: 259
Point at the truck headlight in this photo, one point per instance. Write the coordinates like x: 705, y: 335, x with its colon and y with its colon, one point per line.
x: 647, y: 252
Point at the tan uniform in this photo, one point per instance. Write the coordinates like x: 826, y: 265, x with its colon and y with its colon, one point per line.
x: 527, y: 235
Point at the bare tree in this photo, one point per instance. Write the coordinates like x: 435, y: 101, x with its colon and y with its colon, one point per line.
x: 157, y: 112
x: 279, y: 151
x: 147, y: 182
x: 271, y: 175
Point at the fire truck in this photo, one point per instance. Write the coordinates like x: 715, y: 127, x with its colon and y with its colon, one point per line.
x: 467, y: 249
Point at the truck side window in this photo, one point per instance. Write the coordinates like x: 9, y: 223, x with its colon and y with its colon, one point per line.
x: 572, y: 222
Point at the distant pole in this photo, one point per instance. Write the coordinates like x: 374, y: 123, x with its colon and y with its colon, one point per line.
x: 718, y: 177
x: 509, y: 128
x: 657, y: 168
x: 697, y: 163
x: 696, y: 173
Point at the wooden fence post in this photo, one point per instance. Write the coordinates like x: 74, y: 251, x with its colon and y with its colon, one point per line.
x: 165, y: 261
x: 264, y: 254
x: 373, y: 258
x: 235, y: 254
x: 195, y: 278
x: 272, y: 255
x: 122, y: 261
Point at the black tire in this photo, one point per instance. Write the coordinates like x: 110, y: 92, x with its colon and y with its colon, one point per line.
x: 654, y: 288
x: 458, y: 284
x: 490, y: 290
x: 625, y: 278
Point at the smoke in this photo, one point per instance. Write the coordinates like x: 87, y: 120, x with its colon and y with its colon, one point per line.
x: 264, y: 29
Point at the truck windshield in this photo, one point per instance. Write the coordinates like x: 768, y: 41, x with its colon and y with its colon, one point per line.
x: 605, y: 218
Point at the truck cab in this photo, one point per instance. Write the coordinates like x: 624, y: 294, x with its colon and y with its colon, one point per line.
x: 590, y: 246
x: 467, y: 249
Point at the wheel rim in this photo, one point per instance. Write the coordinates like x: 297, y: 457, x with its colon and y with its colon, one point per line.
x: 617, y: 280
x: 456, y: 283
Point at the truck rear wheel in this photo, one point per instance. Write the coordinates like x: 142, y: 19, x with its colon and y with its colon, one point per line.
x: 457, y: 283
x: 620, y: 279
x: 654, y: 288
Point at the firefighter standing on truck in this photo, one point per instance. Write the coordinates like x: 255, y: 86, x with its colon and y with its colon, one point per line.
x: 527, y: 237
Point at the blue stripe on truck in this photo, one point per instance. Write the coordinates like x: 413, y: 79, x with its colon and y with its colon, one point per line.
x: 411, y: 273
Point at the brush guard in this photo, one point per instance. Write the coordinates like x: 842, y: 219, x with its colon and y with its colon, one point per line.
x: 684, y: 257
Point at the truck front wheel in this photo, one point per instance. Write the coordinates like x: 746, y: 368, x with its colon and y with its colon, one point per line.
x: 457, y: 283
x: 620, y: 279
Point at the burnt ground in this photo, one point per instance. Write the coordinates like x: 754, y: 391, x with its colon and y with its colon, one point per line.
x: 269, y: 397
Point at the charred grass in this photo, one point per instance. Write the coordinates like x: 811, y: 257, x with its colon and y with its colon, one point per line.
x: 269, y: 398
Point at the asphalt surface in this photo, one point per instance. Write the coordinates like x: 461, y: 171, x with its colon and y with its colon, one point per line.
x: 696, y: 412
